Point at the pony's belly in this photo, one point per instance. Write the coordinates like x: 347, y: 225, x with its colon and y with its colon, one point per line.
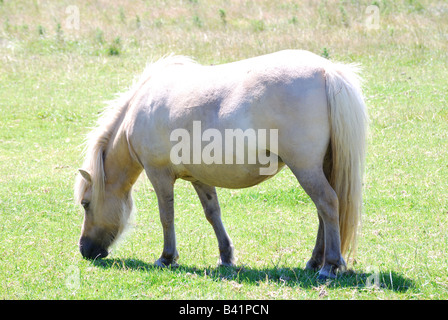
x: 234, y: 176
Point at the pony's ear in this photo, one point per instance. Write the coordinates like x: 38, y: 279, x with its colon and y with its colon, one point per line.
x: 86, y: 175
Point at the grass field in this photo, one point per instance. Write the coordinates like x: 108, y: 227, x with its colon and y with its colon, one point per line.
x: 61, y: 60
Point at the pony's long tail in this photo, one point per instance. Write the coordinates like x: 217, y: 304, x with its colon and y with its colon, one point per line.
x: 348, y: 120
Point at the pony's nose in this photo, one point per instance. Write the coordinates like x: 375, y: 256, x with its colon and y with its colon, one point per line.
x: 90, y: 250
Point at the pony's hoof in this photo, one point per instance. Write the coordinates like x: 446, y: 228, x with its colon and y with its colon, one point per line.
x: 161, y: 263
x: 313, y: 265
x: 226, y: 264
x: 327, y: 272
x: 331, y: 272
x: 230, y: 263
x: 324, y: 277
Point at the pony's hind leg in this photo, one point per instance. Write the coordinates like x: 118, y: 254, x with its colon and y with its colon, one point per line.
x: 163, y: 185
x: 317, y: 257
x: 209, y: 200
x: 328, y: 240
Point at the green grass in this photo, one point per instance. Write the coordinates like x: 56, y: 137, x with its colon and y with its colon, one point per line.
x: 54, y: 81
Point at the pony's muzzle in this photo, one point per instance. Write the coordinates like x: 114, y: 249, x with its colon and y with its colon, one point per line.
x: 90, y: 250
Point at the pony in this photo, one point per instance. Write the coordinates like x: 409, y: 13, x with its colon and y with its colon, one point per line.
x: 314, y: 106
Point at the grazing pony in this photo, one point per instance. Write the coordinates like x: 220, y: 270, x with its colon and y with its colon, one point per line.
x: 313, y: 109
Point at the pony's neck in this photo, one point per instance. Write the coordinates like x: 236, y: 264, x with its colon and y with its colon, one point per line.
x: 120, y: 168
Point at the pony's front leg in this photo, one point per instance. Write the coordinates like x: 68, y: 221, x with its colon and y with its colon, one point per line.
x: 169, y: 255
x: 209, y: 200
x: 163, y: 185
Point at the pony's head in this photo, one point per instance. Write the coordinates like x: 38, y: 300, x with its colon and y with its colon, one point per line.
x: 103, y: 186
x: 106, y: 212
x: 99, y: 189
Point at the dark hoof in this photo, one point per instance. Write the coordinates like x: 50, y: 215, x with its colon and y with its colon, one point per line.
x: 162, y: 263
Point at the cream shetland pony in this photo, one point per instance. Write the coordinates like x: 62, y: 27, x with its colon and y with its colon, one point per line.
x: 315, y: 105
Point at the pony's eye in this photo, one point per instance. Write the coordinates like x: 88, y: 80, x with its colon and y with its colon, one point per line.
x: 85, y: 204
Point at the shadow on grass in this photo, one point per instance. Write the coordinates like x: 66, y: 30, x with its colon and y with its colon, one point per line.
x: 292, y: 277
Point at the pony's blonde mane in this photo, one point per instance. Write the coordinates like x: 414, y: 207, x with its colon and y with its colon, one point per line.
x: 109, y: 121
x: 96, y: 144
